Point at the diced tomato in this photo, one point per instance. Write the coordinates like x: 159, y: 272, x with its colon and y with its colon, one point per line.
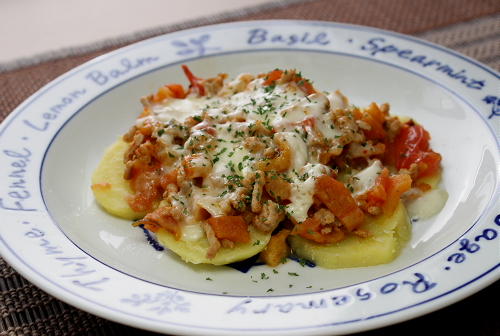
x: 177, y: 91
x: 388, y: 190
x: 339, y: 201
x: 272, y: 77
x: 233, y: 228
x: 411, y: 146
x: 311, y: 229
x: 395, y: 186
x: 194, y: 81
x: 377, y: 195
x: 169, y: 91
x: 304, y: 84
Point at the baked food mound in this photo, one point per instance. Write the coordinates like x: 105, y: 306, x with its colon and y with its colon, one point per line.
x: 224, y: 170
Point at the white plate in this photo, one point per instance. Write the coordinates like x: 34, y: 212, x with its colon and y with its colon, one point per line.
x: 53, y: 233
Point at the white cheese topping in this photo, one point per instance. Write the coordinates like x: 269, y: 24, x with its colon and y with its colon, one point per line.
x: 178, y: 108
x: 303, y: 190
x: 311, y: 106
x: 338, y: 101
x: 325, y: 125
x: 365, y: 179
x: 300, y: 155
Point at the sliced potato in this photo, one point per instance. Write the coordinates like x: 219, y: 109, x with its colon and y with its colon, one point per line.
x: 430, y: 202
x: 427, y: 205
x: 389, y: 234
x: 195, y: 252
x: 108, y: 185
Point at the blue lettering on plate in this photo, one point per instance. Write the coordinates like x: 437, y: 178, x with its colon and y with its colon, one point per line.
x: 194, y: 46
x: 75, y: 268
x: 251, y: 306
x: 17, y: 188
x: 124, y: 67
x: 363, y: 295
x: 421, y: 285
x: 378, y: 45
x: 48, y: 116
x: 259, y: 35
x: 418, y: 284
x: 161, y: 303
x: 470, y: 247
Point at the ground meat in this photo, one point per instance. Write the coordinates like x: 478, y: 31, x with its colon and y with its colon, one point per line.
x: 214, y: 85
x: 269, y: 218
x: 237, y: 85
x: 350, y: 129
x: 137, y: 141
x: 197, y: 165
x: 258, y: 128
x: 258, y: 187
x: 164, y: 218
x: 393, y: 126
x: 238, y: 198
x: 226, y: 243
x: 254, y: 144
x: 129, y: 136
x: 213, y: 243
x: 365, y: 150
x: 278, y: 188
x: 325, y: 216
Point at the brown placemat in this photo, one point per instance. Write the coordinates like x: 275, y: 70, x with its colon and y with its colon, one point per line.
x: 470, y: 27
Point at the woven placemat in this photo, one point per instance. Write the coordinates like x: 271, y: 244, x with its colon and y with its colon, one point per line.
x: 470, y: 27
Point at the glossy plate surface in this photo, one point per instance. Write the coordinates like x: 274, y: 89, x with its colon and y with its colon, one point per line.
x: 55, y: 235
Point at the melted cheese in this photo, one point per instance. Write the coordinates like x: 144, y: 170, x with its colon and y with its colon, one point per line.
x: 365, y: 179
x: 230, y: 155
x: 303, y: 190
x: 311, y: 106
x: 338, y: 101
x: 327, y: 128
x: 300, y: 154
x: 178, y: 108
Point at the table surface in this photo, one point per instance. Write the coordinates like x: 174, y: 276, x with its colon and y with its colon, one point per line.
x: 470, y: 27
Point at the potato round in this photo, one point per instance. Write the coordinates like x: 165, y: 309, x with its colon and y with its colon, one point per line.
x: 109, y: 187
x: 389, y: 234
x: 195, y: 252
